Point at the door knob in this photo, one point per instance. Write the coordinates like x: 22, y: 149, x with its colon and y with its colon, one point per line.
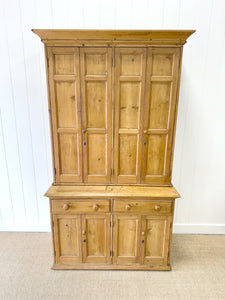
x: 128, y: 206
x: 95, y: 206
x: 66, y: 206
x: 157, y: 207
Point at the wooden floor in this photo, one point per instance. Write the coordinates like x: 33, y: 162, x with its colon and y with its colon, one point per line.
x: 198, y: 272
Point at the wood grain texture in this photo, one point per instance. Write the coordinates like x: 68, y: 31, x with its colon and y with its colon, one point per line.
x: 126, y: 239
x: 64, y: 93
x: 111, y: 192
x: 95, y: 64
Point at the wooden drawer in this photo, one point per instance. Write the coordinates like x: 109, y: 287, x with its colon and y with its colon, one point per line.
x: 80, y: 206
x: 143, y: 206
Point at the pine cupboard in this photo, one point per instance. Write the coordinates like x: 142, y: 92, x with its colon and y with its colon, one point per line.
x: 113, y: 98
x: 112, y: 227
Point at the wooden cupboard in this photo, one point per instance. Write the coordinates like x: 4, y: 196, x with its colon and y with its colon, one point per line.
x: 113, y: 98
x: 117, y: 227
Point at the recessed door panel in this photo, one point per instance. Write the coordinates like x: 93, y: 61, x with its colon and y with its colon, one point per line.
x: 96, y: 104
x: 129, y: 98
x: 66, y: 104
x: 159, y: 114
x: 130, y: 95
x: 96, y: 63
x: 67, y: 239
x: 162, y: 62
x: 96, y: 153
x: 156, y: 155
x: 68, y: 154
x: 128, y: 145
x: 63, y: 72
x: 64, y: 64
x: 96, y: 113
x: 131, y: 64
x: 159, y: 105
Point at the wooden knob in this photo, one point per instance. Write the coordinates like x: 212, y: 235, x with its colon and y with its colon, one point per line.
x: 84, y: 131
x: 66, y: 206
x: 157, y: 207
x: 145, y: 131
x: 84, y: 232
x: 143, y: 233
x: 95, y: 206
x: 128, y: 206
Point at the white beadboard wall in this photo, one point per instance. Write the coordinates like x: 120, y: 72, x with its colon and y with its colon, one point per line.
x: 25, y: 150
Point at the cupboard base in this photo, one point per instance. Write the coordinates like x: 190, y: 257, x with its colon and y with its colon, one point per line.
x: 110, y: 267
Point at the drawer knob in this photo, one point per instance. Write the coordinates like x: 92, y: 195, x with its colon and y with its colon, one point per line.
x: 143, y: 233
x: 128, y: 206
x: 84, y: 232
x: 157, y: 207
x: 95, y: 206
x: 66, y: 206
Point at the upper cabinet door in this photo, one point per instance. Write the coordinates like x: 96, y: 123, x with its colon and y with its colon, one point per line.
x: 96, y: 113
x: 63, y: 76
x: 159, y: 114
x: 130, y: 65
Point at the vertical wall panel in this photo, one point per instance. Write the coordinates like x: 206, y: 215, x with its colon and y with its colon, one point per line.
x: 9, y: 120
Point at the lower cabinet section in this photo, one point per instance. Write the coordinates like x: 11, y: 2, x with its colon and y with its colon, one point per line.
x: 113, y: 240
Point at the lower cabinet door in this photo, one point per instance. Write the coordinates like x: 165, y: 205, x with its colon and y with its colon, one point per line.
x: 96, y: 238
x: 126, y: 239
x: 155, y: 236
x: 67, y: 239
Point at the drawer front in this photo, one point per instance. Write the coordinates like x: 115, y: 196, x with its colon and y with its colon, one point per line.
x: 80, y: 206
x: 141, y: 206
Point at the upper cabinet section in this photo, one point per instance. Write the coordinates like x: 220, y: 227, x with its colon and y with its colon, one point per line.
x: 113, y: 103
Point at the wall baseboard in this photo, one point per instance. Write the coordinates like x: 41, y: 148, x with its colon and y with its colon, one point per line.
x: 26, y: 227
x: 181, y: 228
x: 178, y: 228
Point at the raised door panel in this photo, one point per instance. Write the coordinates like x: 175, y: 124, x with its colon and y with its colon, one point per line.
x: 126, y: 239
x: 67, y: 238
x: 63, y: 74
x: 129, y: 98
x: 159, y: 114
x: 96, y: 238
x: 155, y: 236
x: 96, y: 113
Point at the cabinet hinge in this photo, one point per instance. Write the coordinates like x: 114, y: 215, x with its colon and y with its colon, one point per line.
x: 112, y: 172
x: 111, y: 253
x: 111, y: 224
x: 171, y: 224
x: 55, y: 170
x: 54, y: 253
x: 47, y: 62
